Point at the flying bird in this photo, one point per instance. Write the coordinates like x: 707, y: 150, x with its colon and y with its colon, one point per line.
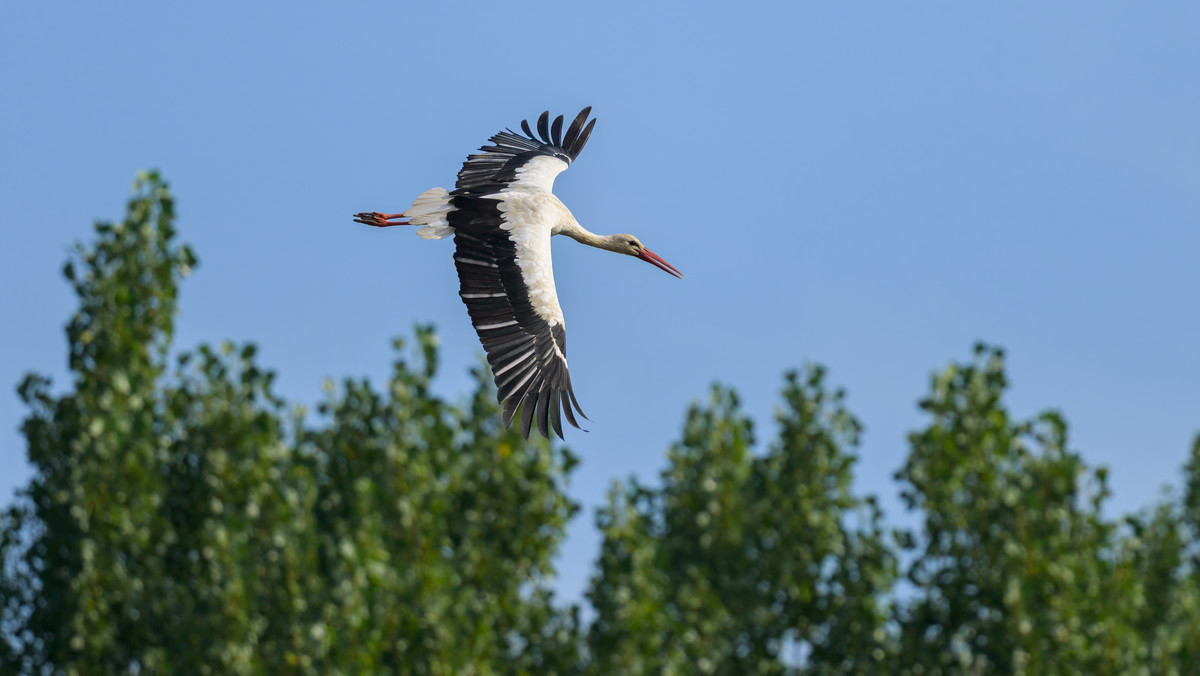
x: 502, y: 213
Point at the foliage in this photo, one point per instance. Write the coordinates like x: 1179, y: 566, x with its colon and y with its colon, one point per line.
x: 1016, y: 570
x: 739, y: 560
x: 185, y: 522
x: 182, y: 517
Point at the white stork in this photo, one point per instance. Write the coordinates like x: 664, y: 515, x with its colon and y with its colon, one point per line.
x: 502, y: 213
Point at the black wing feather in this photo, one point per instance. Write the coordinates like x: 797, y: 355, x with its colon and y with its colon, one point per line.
x: 580, y: 142
x: 542, y: 415
x: 527, y: 407
x: 510, y: 150
x: 566, y: 407
x: 526, y: 354
x: 556, y: 131
x: 556, y: 418
x: 575, y: 128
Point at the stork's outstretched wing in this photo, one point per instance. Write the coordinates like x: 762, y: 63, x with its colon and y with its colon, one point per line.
x: 498, y: 163
x: 502, y: 214
x: 518, y: 320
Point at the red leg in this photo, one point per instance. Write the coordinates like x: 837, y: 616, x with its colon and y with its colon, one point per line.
x: 380, y: 220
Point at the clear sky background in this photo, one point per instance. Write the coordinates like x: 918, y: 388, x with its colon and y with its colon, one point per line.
x: 872, y: 187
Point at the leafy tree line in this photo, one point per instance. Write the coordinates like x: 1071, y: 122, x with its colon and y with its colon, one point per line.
x: 183, y: 518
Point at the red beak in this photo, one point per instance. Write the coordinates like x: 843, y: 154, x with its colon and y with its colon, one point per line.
x: 653, y: 259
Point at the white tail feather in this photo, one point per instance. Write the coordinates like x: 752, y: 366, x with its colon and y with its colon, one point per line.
x: 430, y: 209
x: 430, y: 205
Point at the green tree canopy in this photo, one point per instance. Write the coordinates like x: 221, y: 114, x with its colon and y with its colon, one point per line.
x: 739, y: 558
x: 1016, y: 569
x: 181, y: 519
x: 184, y: 518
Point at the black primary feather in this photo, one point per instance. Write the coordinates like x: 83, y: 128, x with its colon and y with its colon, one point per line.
x: 575, y: 128
x: 580, y: 142
x: 527, y: 355
x: 556, y: 131
x: 510, y: 151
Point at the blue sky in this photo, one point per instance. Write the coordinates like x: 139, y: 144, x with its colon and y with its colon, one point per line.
x: 872, y: 188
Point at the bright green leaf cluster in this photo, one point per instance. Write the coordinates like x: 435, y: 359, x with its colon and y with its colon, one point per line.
x: 739, y: 562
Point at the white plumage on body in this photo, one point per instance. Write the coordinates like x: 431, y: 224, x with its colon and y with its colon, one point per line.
x: 531, y: 219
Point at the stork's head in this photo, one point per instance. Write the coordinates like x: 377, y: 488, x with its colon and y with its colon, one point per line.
x: 632, y: 246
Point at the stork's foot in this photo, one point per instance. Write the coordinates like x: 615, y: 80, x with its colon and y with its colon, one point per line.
x: 380, y: 220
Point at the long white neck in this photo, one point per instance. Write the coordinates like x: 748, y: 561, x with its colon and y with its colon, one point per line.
x: 571, y: 228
